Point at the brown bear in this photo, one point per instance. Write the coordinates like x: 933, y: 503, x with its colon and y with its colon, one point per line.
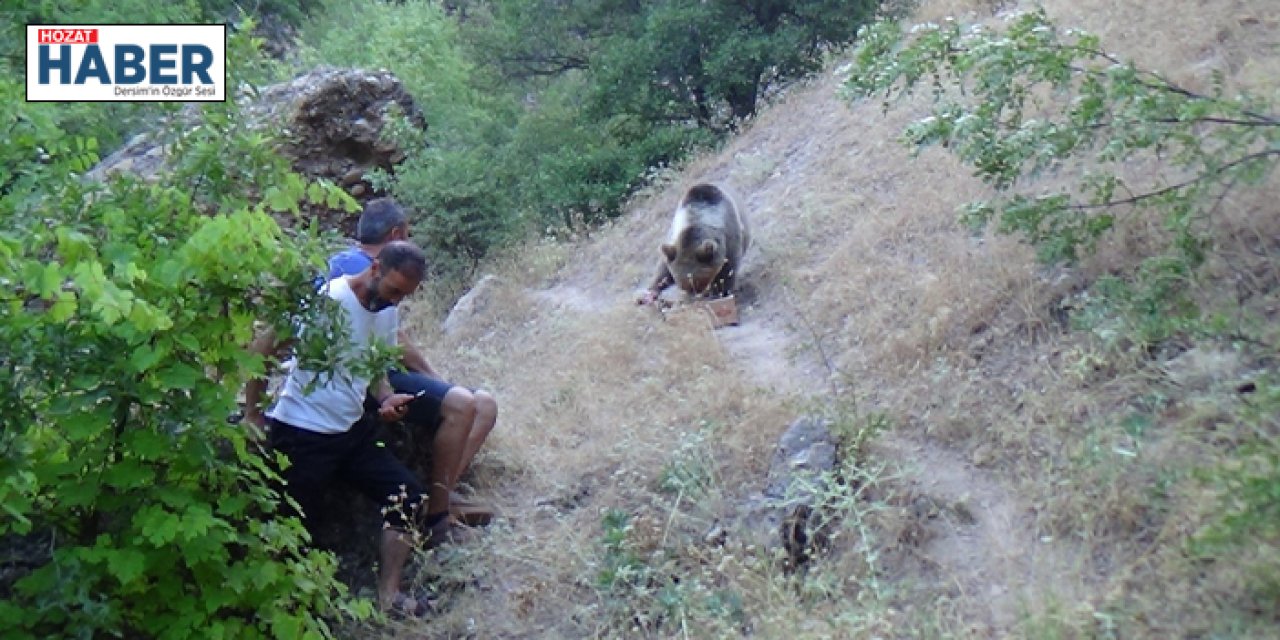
x: 703, y: 253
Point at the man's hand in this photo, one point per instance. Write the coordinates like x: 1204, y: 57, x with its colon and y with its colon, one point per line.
x: 394, y: 407
x: 264, y: 344
x: 255, y: 425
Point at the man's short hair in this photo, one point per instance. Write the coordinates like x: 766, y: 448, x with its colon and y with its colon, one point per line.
x: 380, y: 218
x: 405, y: 257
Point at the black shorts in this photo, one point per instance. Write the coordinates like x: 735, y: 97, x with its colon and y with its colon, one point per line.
x: 424, y: 411
x: 357, y: 458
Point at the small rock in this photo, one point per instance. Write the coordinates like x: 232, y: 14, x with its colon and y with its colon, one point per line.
x: 351, y: 177
x: 716, y: 536
x: 1201, y: 368
x: 983, y: 455
x: 780, y: 517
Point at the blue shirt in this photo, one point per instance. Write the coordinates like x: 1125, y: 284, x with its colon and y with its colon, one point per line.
x: 348, y: 263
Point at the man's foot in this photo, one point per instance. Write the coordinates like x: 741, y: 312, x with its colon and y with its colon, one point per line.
x: 451, y: 530
x: 469, y: 513
x: 406, y: 607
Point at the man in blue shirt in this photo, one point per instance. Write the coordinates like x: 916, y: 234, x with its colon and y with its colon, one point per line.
x: 381, y: 223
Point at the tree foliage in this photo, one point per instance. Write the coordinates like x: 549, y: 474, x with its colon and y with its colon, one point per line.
x: 675, y: 61
x: 126, y: 310
x: 1026, y: 101
x: 545, y: 115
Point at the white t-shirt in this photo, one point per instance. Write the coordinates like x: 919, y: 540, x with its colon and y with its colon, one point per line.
x: 337, y: 401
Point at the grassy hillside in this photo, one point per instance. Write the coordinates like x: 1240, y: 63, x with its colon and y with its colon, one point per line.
x: 1037, y: 468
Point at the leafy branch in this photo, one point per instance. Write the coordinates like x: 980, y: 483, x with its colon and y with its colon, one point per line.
x: 1021, y: 103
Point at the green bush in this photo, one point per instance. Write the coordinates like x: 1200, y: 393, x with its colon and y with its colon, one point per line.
x: 123, y: 327
x: 459, y: 207
x: 416, y: 41
x: 1248, y: 492
x: 1035, y: 99
x: 674, y: 62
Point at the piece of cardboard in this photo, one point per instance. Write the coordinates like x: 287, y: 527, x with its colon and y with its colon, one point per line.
x: 723, y: 311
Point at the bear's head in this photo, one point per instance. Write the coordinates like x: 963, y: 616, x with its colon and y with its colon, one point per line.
x: 694, y: 265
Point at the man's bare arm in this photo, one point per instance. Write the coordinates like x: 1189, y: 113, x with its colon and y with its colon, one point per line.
x: 413, y: 359
x: 392, y: 406
x: 265, y: 345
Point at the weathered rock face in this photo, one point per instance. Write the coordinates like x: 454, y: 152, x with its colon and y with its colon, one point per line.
x: 332, y: 120
x: 471, y: 305
x: 329, y: 123
x: 782, y: 515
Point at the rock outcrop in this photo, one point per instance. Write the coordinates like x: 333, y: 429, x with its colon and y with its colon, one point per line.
x: 329, y: 122
x: 786, y: 514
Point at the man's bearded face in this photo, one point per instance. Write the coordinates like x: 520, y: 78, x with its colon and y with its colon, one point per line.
x: 376, y: 301
x: 388, y: 289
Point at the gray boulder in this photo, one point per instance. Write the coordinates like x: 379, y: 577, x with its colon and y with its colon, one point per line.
x: 784, y: 515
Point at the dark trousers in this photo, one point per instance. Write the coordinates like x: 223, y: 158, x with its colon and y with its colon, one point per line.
x: 356, y: 457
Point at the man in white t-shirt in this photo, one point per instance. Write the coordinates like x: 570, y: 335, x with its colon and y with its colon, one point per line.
x: 319, y: 422
x: 382, y: 222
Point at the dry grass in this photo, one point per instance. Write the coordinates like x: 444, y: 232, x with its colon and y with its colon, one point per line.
x: 1073, y: 452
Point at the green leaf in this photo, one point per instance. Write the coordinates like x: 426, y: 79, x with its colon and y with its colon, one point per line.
x: 51, y: 280
x: 147, y: 444
x: 279, y: 200
x: 197, y: 520
x: 147, y: 319
x: 74, y: 247
x: 79, y: 495
x: 144, y: 357
x: 83, y: 425
x: 316, y: 193
x: 126, y: 564
x: 179, y: 375
x: 40, y: 581
x: 334, y: 199
x: 64, y: 307
x: 188, y: 341
x: 285, y: 624
x: 266, y: 575
x: 156, y: 525
x: 128, y: 474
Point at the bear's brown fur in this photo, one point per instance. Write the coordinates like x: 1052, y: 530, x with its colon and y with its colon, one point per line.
x: 703, y: 252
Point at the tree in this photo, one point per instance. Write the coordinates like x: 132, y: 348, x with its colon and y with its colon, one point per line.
x: 677, y: 60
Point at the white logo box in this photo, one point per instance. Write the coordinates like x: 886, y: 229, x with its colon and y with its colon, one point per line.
x: 127, y: 63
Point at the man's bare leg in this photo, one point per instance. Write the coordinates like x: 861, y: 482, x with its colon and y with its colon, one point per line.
x: 486, y: 417
x: 393, y: 553
x: 457, y: 414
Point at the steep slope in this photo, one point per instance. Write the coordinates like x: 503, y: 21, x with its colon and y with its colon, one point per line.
x: 993, y: 505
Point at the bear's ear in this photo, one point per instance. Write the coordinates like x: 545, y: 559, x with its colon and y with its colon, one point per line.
x: 669, y: 250
x: 706, y: 251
